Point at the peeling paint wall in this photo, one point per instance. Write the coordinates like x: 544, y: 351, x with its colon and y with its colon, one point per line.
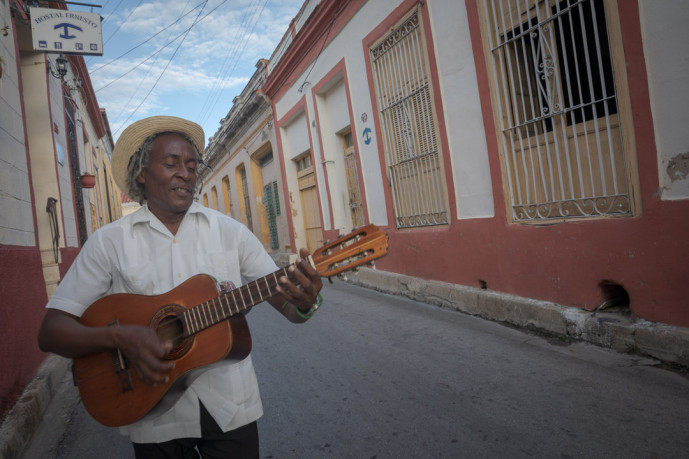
x: 665, y: 35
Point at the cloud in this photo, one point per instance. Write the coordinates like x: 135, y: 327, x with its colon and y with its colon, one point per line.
x: 213, y: 60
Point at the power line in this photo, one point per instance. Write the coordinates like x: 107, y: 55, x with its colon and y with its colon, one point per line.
x: 217, y: 79
x: 160, y: 49
x: 237, y: 54
x: 152, y: 37
x: 166, y: 66
x: 123, y: 22
x: 143, y: 79
x: 118, y: 27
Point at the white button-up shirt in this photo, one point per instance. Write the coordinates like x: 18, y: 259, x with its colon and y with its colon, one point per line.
x: 138, y: 254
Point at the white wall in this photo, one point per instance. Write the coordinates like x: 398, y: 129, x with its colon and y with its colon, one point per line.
x: 57, y: 112
x: 462, y: 108
x: 666, y: 48
x: 347, y: 44
x: 16, y: 208
x: 333, y: 114
x: 459, y: 89
x: 296, y: 137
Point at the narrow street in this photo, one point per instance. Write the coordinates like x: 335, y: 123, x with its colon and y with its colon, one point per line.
x: 379, y: 376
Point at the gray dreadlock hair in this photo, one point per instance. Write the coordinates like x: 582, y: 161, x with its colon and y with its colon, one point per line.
x: 139, y: 161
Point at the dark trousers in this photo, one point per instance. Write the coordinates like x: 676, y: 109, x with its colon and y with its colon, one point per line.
x: 214, y: 443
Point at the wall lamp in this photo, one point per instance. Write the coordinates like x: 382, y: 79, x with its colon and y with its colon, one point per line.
x: 60, y: 72
x: 60, y: 67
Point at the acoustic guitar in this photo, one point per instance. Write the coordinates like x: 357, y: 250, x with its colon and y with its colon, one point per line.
x: 205, y: 324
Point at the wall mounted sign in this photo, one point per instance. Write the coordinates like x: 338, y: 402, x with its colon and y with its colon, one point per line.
x: 66, y: 32
x: 367, y: 136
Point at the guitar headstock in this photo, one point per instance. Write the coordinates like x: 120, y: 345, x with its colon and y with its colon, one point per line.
x: 359, y: 247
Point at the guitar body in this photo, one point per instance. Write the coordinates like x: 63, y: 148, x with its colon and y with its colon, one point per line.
x: 110, y: 387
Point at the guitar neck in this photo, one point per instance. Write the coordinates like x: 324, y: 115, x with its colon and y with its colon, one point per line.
x: 361, y: 246
x: 228, y: 304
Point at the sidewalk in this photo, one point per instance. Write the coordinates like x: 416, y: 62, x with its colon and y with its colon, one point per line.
x: 609, y: 330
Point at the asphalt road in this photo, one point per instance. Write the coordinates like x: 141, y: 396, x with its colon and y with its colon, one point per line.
x: 379, y: 376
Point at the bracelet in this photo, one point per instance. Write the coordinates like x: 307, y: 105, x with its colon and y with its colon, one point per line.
x: 314, y: 308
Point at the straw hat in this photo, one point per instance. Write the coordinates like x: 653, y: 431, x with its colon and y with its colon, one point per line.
x: 135, y: 134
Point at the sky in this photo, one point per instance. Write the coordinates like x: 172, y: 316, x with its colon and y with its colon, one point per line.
x: 186, y: 58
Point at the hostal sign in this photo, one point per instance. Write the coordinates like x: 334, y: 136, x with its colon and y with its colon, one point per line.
x: 67, y: 32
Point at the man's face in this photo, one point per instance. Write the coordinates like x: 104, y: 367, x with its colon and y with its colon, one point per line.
x: 169, y: 179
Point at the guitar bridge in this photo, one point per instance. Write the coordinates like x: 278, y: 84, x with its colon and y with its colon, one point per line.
x: 121, y: 367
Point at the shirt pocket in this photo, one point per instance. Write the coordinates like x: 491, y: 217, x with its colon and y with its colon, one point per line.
x: 143, y: 279
x: 223, y: 266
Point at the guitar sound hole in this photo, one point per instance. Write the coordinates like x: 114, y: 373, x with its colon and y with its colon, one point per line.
x: 168, y: 324
x: 170, y: 330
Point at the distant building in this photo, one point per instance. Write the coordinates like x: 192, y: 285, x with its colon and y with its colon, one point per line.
x: 244, y: 178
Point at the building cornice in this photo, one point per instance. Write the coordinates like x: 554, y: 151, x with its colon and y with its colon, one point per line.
x: 327, y: 19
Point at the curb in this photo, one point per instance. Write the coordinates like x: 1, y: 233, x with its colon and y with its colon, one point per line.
x: 619, y: 332
x: 25, y: 416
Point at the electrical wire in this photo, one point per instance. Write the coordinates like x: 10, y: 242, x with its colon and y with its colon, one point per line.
x: 152, y: 37
x: 217, y: 79
x: 118, y: 27
x: 325, y: 40
x: 166, y: 66
x: 237, y: 54
x: 159, y: 50
x: 144, y: 78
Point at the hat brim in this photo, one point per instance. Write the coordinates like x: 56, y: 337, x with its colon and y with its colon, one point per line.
x: 135, y: 134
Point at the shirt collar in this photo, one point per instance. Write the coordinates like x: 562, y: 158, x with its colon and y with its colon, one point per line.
x: 144, y: 215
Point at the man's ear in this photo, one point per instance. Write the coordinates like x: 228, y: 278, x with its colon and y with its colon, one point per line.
x: 140, y: 178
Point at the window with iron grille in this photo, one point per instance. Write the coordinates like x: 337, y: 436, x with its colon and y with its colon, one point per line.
x: 557, y: 108
x: 270, y: 200
x: 408, y: 124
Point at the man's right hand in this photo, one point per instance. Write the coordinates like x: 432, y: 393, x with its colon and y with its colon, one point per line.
x: 146, y: 352
x: 63, y: 334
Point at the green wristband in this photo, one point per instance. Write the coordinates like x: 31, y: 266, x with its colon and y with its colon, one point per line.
x: 314, y: 308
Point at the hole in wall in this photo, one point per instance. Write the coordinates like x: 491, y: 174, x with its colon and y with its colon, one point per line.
x: 615, y: 297
x: 483, y: 284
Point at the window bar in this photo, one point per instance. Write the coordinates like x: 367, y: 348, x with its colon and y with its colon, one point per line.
x: 417, y: 75
x: 593, y: 107
x: 561, y: 117
x: 534, y: 114
x: 526, y: 101
x: 501, y: 107
x: 545, y: 51
x: 383, y: 90
x: 542, y: 95
x: 423, y: 203
x: 515, y: 120
x: 613, y: 169
x: 557, y: 100
x: 402, y: 131
x: 567, y: 76
x: 431, y: 150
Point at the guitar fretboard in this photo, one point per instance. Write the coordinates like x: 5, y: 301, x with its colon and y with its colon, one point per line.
x: 228, y: 304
